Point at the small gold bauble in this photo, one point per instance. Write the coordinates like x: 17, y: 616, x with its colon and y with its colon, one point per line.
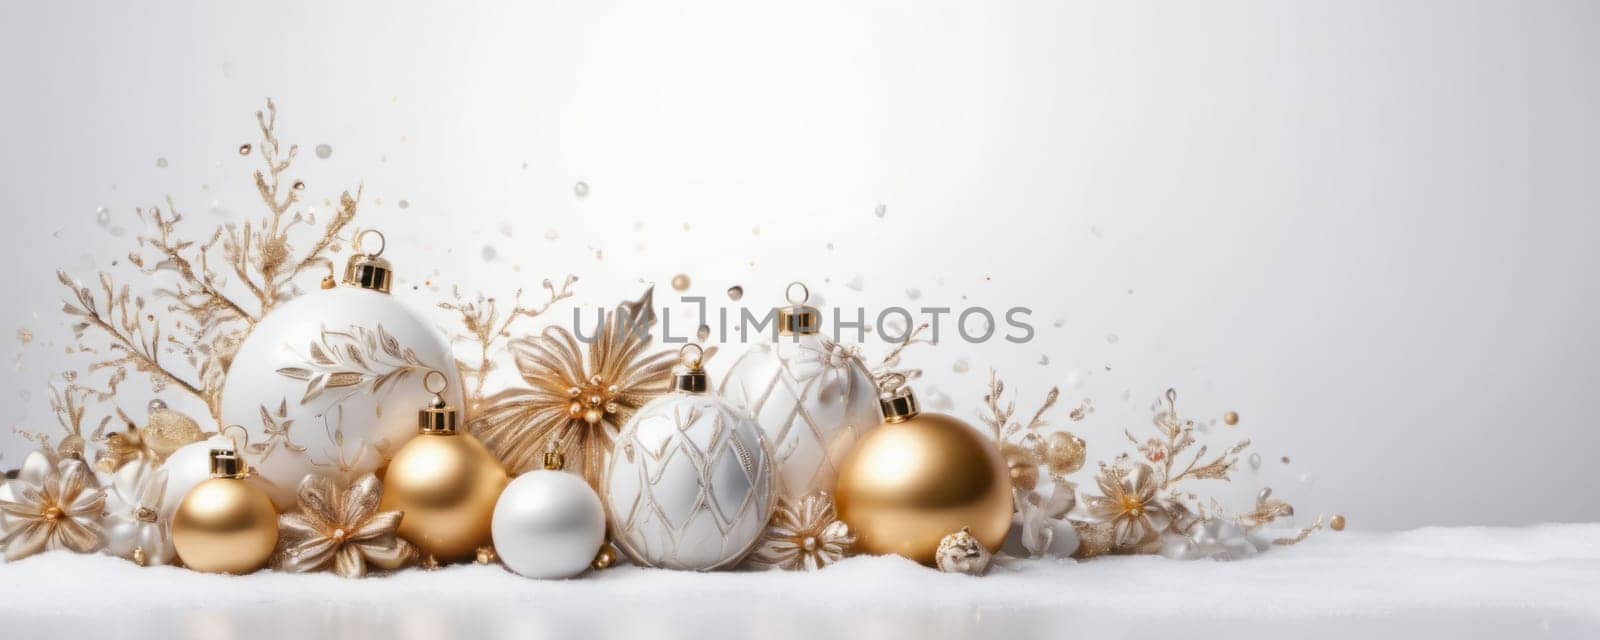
x: 225, y: 525
x: 604, y: 558
x: 447, y: 484
x: 1336, y: 523
x: 1231, y: 417
x: 908, y: 484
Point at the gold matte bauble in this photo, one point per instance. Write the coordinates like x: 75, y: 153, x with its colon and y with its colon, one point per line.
x: 921, y: 477
x: 447, y: 484
x: 225, y: 525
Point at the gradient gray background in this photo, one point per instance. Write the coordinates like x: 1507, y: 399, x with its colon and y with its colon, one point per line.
x: 1369, y: 227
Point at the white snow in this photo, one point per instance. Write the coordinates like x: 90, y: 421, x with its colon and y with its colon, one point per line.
x: 1541, y: 581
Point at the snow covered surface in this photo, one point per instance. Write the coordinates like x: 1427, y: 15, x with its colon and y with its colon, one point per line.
x: 1539, y: 581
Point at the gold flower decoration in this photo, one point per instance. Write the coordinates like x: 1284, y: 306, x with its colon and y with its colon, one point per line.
x: 1128, y: 502
x: 54, y: 503
x: 343, y: 528
x: 574, y: 405
x: 805, y: 534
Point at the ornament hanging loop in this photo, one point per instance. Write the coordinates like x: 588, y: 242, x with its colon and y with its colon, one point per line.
x: 366, y: 269
x: 692, y: 377
x: 428, y: 383
x: 383, y: 243
x: 899, y: 404
x: 438, y: 417
x: 240, y: 441
x: 805, y: 293
x: 798, y: 318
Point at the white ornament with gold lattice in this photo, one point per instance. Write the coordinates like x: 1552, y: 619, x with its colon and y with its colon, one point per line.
x: 689, y: 485
x: 811, y: 396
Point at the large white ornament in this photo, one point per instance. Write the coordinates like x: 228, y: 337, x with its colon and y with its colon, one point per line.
x: 689, y: 485
x: 329, y: 381
x: 811, y: 396
x: 135, y: 527
x: 548, y: 523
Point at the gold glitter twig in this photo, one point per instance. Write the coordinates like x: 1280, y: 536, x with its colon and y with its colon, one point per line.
x: 485, y: 328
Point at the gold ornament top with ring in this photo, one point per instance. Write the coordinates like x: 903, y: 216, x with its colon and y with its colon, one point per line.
x: 327, y: 381
x: 444, y: 481
x: 811, y: 396
x: 921, y: 477
x: 690, y: 483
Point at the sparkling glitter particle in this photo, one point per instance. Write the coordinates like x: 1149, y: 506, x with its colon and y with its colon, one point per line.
x: 489, y: 253
x: 102, y: 216
x: 881, y: 210
x: 552, y: 234
x: 1111, y: 338
x: 24, y: 336
x: 703, y: 333
x: 161, y: 163
x: 855, y: 284
x: 1285, y: 459
x: 405, y: 204
x: 244, y: 149
x: 680, y: 282
x: 300, y: 185
x: 735, y: 292
x: 961, y: 366
x: 913, y: 293
x: 324, y: 151
x: 1255, y: 461
x: 581, y: 189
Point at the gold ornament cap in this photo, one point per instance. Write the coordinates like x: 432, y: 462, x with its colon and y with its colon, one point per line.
x: 692, y: 377
x: 798, y: 318
x: 899, y: 404
x: 368, y: 270
x: 438, y: 418
x: 226, y: 464
x: 554, y: 461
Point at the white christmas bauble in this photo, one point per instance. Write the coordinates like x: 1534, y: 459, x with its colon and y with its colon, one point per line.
x: 188, y: 466
x: 812, y: 397
x: 331, y: 382
x: 135, y: 526
x: 548, y: 524
x: 690, y: 483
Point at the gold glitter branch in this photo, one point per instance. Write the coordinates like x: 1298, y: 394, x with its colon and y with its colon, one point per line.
x: 209, y: 323
x: 135, y: 334
x: 890, y: 365
x: 486, y: 328
x: 1001, y: 427
x: 260, y: 253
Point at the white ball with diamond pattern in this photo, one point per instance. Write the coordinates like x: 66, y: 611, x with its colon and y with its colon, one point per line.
x: 689, y: 485
x: 812, y: 398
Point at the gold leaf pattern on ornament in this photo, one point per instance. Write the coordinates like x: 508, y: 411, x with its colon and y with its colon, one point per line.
x: 341, y: 529
x: 276, y: 426
x: 571, y: 403
x: 359, y: 359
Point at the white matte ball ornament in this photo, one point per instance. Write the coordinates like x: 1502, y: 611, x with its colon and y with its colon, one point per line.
x: 811, y: 396
x: 329, y: 381
x: 690, y: 482
x: 548, y: 524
